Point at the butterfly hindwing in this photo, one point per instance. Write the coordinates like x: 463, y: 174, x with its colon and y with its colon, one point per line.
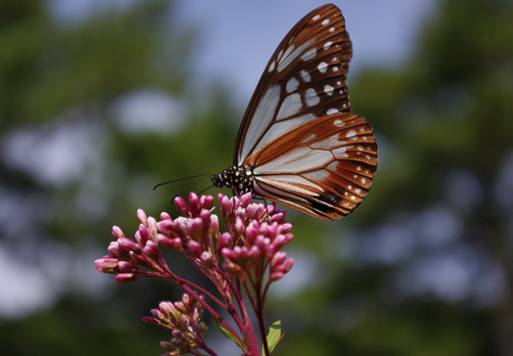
x: 323, y: 168
x: 304, y: 79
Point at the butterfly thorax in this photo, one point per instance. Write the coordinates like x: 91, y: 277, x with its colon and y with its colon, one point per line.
x: 239, y: 178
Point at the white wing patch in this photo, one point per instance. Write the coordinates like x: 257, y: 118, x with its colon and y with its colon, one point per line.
x: 284, y: 182
x: 290, y: 106
x: 292, y: 85
x: 329, y: 142
x: 261, y: 119
x: 297, y: 159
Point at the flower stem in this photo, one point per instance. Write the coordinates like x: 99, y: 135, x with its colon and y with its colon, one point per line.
x: 260, y: 316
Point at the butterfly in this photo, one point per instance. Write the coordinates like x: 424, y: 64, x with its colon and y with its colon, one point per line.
x: 299, y: 144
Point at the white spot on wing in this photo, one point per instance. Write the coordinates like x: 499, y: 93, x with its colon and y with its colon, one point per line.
x: 297, y: 159
x: 310, y: 54
x: 341, y: 152
x: 316, y: 17
x: 271, y: 66
x: 311, y: 97
x: 290, y: 106
x: 331, y: 111
x: 292, y: 85
x: 328, y: 89
x: 351, y: 133
x: 327, y: 45
x: 305, y: 75
x: 339, y: 123
x: 325, y: 22
x: 322, y: 67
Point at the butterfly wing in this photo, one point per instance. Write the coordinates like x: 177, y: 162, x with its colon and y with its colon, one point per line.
x: 323, y: 168
x: 304, y: 79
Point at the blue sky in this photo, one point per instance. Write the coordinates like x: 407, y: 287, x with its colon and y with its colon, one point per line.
x: 238, y: 37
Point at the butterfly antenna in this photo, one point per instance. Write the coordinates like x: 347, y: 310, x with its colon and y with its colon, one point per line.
x: 204, y: 189
x: 181, y: 179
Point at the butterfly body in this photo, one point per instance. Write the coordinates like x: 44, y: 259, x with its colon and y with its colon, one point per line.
x: 238, y: 178
x: 299, y: 144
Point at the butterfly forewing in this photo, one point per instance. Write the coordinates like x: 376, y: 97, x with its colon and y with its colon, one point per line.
x: 304, y: 79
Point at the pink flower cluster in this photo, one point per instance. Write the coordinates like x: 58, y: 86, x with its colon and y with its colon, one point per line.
x: 183, y: 320
x: 248, y: 254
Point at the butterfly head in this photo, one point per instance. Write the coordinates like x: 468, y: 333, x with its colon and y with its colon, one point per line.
x: 238, y: 178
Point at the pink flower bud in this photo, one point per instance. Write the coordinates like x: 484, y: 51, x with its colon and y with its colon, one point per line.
x: 206, y: 257
x: 205, y: 218
x: 251, y: 232
x: 125, y: 277
x: 245, y: 199
x: 194, y: 248
x: 277, y: 217
x: 194, y: 203
x: 239, y: 225
x: 225, y: 240
x: 117, y: 232
x: 144, y: 233
x: 165, y: 216
x: 152, y: 227
x: 276, y: 276
x: 287, y: 266
x: 171, y: 243
x: 254, y: 252
x: 127, y: 245
x: 214, y: 224
x: 166, y: 225
x: 286, y: 228
x: 262, y: 243
x: 151, y: 248
x: 228, y: 253
x: 279, y: 241
x: 181, y: 206
x: 207, y: 202
x: 113, y: 249
x: 226, y: 205
x: 125, y: 266
x: 106, y: 264
x: 141, y: 216
x: 278, y: 259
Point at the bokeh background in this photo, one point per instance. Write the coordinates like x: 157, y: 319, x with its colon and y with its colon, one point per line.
x: 100, y: 100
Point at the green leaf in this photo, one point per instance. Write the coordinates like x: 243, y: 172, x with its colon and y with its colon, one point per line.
x: 229, y: 335
x: 274, y: 336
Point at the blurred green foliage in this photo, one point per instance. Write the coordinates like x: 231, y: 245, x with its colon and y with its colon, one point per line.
x: 446, y: 110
